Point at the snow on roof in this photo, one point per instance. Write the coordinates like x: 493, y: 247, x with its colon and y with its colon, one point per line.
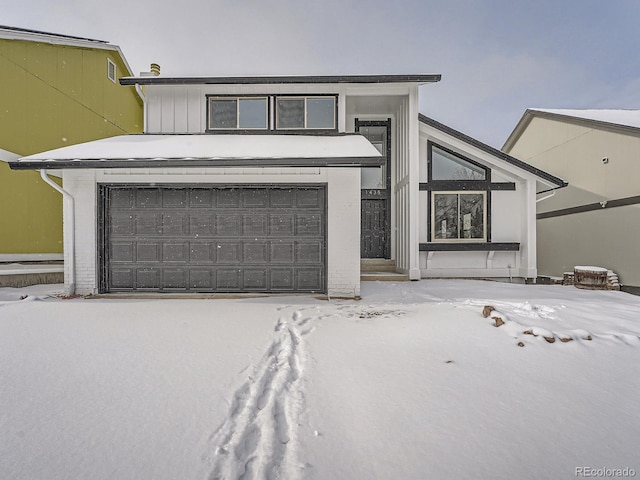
x: 184, y: 148
x: 629, y: 118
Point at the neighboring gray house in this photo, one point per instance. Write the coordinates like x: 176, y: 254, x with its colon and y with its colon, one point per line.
x: 596, y: 220
x: 289, y: 184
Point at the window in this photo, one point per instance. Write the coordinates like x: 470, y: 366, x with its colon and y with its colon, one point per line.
x: 111, y: 70
x: 306, y: 113
x: 446, y: 165
x: 458, y: 216
x: 459, y: 197
x: 232, y: 113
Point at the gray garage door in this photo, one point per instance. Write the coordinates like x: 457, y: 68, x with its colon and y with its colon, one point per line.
x: 213, y: 239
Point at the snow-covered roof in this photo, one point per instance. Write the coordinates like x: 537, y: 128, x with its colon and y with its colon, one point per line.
x: 146, y: 150
x: 629, y: 118
x: 7, y: 156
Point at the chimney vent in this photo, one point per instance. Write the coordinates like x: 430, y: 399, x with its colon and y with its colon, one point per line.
x: 155, y: 69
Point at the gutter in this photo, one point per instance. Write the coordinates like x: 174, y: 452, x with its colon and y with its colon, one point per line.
x: 70, y: 208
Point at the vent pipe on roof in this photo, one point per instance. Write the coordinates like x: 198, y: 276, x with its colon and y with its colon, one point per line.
x: 155, y: 69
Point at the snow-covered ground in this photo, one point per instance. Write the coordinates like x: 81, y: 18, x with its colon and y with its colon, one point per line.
x: 411, y: 382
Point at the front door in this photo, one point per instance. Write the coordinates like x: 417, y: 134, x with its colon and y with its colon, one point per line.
x: 375, y: 229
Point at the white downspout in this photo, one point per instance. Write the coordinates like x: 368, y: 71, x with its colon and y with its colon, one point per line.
x: 70, y: 209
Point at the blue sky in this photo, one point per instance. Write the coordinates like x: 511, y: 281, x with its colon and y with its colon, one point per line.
x: 496, y: 57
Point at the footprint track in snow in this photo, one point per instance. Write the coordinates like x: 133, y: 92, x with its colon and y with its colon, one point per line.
x: 257, y: 439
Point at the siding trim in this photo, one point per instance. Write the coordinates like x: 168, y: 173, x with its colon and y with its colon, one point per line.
x: 589, y: 207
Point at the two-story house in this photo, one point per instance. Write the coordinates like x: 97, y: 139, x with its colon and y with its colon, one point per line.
x: 57, y: 90
x: 285, y: 184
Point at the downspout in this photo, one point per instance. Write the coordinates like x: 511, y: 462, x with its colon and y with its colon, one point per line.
x: 70, y: 209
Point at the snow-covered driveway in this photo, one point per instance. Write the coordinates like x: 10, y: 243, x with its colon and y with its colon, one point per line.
x: 409, y: 382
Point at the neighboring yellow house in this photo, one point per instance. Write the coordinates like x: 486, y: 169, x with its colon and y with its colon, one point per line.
x: 596, y: 219
x: 55, y: 90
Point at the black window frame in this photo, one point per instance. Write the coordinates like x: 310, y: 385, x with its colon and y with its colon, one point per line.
x: 461, y: 187
x: 211, y: 97
x: 305, y: 97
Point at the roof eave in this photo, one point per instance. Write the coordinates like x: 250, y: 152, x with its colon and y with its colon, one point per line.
x: 293, y: 79
x: 547, y: 177
x: 87, y: 163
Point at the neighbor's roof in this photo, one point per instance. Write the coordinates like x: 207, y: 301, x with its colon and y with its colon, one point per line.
x: 493, y: 151
x: 145, y: 150
x: 29, y: 35
x: 285, y: 79
x: 611, y: 119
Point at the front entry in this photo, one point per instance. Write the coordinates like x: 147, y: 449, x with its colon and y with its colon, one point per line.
x: 375, y: 229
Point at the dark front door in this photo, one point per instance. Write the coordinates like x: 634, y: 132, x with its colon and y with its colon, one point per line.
x: 375, y: 229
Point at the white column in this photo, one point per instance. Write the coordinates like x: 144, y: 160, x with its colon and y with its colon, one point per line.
x: 414, y: 179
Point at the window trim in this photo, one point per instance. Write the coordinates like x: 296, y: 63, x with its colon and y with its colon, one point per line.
x: 485, y: 222
x: 305, y: 98
x: 111, y: 65
x: 238, y: 98
x: 430, y: 145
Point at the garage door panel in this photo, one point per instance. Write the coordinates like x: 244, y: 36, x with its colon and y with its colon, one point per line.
x: 229, y: 252
x: 202, y: 279
x: 148, y: 278
x: 201, y: 253
x: 229, y: 279
x: 174, y: 198
x: 122, y: 252
x: 175, y: 252
x: 254, y: 279
x: 309, y: 252
x: 282, y: 198
x: 215, y: 239
x: 309, y: 198
x: 148, y: 197
x: 229, y: 198
x: 201, y: 225
x: 121, y: 224
x: 308, y: 279
x: 175, y: 278
x: 281, y: 225
x: 254, y: 224
x: 148, y: 252
x: 148, y: 224
x: 229, y: 225
x: 255, y: 198
x: 175, y: 224
x: 122, y: 278
x: 282, y: 279
x: 255, y: 252
x: 201, y: 198
x: 282, y: 252
x: 309, y: 225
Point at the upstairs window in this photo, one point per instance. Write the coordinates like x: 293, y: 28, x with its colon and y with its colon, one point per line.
x: 111, y: 70
x: 233, y: 113
x: 311, y: 113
